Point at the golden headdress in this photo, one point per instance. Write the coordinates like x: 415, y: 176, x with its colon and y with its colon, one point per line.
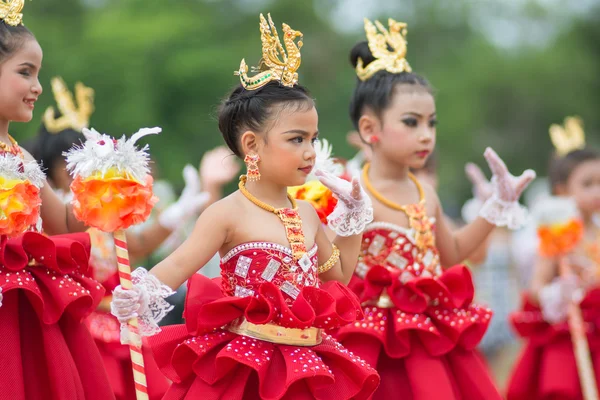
x: 276, y: 64
x: 388, y: 48
x: 10, y: 11
x: 71, y: 117
x: 568, y: 138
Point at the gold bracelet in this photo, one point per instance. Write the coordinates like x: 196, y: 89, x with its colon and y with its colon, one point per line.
x: 333, y: 259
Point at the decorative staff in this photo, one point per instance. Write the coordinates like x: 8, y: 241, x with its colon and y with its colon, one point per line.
x: 560, y: 231
x: 112, y: 190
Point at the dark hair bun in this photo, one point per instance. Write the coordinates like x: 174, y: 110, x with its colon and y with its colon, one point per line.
x: 361, y: 50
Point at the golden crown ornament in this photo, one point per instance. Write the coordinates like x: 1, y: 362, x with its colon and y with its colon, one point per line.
x: 276, y: 63
x: 569, y: 137
x: 10, y: 12
x: 72, y: 117
x: 388, y: 47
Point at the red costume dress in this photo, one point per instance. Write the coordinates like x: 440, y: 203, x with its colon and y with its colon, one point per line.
x: 46, y: 352
x: 256, y: 333
x: 547, y: 368
x: 421, y: 327
x: 105, y: 328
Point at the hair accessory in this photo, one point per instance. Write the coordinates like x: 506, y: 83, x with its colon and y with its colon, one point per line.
x: 276, y: 63
x: 71, y: 117
x: 388, y: 48
x: 10, y: 12
x: 568, y: 138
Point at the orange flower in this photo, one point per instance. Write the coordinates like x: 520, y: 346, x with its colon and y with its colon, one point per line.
x: 318, y: 195
x: 112, y: 202
x: 19, y: 206
x: 559, y: 239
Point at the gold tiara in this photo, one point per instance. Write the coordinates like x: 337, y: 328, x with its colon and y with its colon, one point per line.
x: 276, y: 63
x: 10, y: 11
x: 568, y: 138
x: 387, y: 47
x: 71, y: 117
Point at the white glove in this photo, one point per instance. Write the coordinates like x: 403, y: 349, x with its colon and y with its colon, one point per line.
x: 354, y: 209
x: 146, y: 301
x: 556, y: 297
x: 189, y: 203
x: 503, y: 208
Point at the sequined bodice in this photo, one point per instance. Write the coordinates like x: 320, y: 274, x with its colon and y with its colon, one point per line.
x: 395, y: 248
x: 248, y: 265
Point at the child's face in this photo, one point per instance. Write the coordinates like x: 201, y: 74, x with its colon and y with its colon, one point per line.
x: 288, y: 154
x: 584, y: 186
x: 19, y: 84
x: 408, y: 130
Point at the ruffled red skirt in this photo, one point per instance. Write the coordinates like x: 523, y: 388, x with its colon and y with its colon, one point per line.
x: 46, y: 352
x: 423, y: 342
x: 105, y: 330
x: 207, y: 362
x: 546, y: 368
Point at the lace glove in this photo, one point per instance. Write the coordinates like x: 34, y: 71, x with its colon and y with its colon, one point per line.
x: 556, y: 297
x: 145, y: 301
x: 482, y: 190
x: 503, y: 208
x: 189, y: 203
x: 354, y: 209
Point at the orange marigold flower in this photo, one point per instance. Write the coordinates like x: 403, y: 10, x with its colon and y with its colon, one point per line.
x: 318, y: 195
x: 112, y: 202
x: 19, y: 206
x: 559, y: 239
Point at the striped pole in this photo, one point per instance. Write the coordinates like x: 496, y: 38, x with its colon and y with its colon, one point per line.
x: 135, y: 341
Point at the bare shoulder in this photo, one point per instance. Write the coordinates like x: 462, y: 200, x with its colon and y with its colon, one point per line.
x: 308, y: 211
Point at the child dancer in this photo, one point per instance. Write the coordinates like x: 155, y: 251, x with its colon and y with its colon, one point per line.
x: 547, y: 368
x: 257, y: 332
x: 47, y: 353
x: 421, y: 326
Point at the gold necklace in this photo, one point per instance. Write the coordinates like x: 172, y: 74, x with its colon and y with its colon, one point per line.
x: 13, y: 149
x: 288, y: 216
x: 416, y: 213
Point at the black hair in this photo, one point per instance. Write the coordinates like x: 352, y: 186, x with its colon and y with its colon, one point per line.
x: 251, y: 109
x: 11, y: 39
x: 376, y: 92
x: 47, y: 148
x: 561, y: 168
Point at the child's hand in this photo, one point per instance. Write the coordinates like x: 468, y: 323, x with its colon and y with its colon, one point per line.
x: 507, y: 186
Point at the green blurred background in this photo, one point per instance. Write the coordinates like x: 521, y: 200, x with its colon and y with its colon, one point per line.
x: 503, y: 70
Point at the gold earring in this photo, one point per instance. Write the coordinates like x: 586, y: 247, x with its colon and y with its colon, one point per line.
x: 251, y: 161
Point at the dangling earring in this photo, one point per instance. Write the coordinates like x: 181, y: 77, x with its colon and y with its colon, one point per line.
x: 251, y: 161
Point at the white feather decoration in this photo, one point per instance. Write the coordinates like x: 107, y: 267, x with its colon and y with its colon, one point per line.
x: 555, y: 210
x: 323, y: 160
x: 13, y: 167
x: 101, y: 152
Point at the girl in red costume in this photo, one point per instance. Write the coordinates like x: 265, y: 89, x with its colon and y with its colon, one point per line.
x: 46, y: 352
x: 421, y: 326
x: 257, y: 332
x: 548, y: 368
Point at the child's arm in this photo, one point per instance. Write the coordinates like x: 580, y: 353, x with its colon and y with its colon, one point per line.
x: 209, y: 235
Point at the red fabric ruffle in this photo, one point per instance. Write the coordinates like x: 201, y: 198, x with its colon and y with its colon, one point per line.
x: 205, y: 361
x: 547, y: 367
x: 57, y: 282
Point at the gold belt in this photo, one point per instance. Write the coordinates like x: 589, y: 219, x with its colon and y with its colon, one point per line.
x: 276, y: 334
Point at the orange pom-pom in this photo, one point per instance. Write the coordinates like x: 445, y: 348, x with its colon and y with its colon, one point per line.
x: 112, y: 202
x: 19, y: 206
x: 559, y: 239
